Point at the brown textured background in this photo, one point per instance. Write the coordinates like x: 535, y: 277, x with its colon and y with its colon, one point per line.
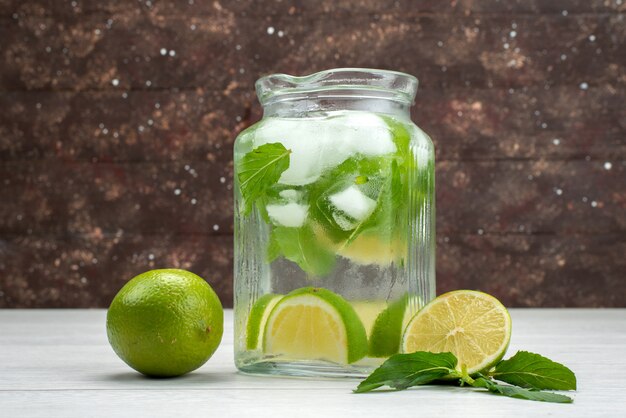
x: 117, y: 119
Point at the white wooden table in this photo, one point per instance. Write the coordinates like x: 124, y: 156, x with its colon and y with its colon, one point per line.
x: 59, y: 363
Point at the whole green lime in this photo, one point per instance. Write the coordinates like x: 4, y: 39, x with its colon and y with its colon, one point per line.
x: 165, y: 322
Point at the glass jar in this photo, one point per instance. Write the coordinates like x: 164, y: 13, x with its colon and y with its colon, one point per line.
x: 334, y: 223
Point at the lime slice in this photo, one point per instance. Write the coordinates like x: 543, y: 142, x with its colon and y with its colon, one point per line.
x: 315, y: 324
x: 474, y: 326
x: 368, y: 311
x: 258, y: 318
x: 387, y: 330
x: 370, y: 249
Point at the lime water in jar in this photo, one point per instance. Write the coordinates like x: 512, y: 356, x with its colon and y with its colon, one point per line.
x: 334, y: 223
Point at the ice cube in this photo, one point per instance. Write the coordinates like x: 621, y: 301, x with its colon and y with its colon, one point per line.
x: 320, y: 144
x: 312, y: 143
x: 344, y: 222
x: 353, y: 203
x: 290, y: 195
x: 291, y: 214
x: 367, y: 134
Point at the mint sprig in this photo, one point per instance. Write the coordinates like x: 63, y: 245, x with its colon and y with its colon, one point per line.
x: 527, y: 373
x: 259, y: 170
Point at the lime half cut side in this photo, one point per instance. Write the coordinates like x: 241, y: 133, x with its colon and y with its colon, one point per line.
x: 474, y: 326
x: 258, y: 318
x: 315, y: 324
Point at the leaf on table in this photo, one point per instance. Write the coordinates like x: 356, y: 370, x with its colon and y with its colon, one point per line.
x: 301, y: 246
x: 520, y: 393
x: 402, y: 371
x: 260, y: 169
x: 530, y: 370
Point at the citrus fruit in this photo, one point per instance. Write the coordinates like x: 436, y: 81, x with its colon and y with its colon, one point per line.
x: 370, y: 249
x: 315, y: 324
x: 165, y: 322
x: 474, y: 326
x: 368, y: 311
x: 258, y: 318
x: 364, y: 249
x: 387, y: 330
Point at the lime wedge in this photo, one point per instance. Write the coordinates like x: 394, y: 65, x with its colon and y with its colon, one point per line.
x: 368, y: 311
x: 387, y: 330
x: 474, y: 326
x: 315, y: 324
x: 258, y: 318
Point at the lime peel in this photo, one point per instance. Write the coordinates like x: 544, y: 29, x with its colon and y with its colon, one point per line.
x: 386, y: 334
x: 258, y: 318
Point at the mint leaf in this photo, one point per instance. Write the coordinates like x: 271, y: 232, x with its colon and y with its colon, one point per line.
x: 301, y: 246
x: 390, y: 206
x: 530, y: 370
x: 354, y: 171
x: 260, y: 169
x: 519, y: 393
x: 389, y: 219
x: 273, y: 249
x: 401, y: 138
x: 401, y: 371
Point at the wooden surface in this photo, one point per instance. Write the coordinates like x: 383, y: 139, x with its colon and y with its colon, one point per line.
x: 58, y: 363
x: 117, y: 120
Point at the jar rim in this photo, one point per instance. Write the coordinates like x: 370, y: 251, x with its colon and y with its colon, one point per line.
x: 354, y: 82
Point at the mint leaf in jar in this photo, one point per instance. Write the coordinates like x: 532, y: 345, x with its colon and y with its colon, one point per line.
x: 301, y: 246
x: 260, y: 169
x: 388, y: 206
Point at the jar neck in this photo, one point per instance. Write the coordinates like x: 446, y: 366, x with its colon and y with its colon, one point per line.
x: 293, y: 107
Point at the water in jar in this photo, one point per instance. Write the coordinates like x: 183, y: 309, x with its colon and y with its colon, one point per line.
x: 333, y: 225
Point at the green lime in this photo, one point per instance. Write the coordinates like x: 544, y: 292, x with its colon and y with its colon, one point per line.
x: 474, y: 326
x: 257, y: 319
x: 165, y: 322
x: 315, y: 324
x: 368, y: 311
x: 386, y: 333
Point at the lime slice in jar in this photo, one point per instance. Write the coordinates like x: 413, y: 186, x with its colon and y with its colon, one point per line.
x: 258, y: 318
x: 368, y: 311
x: 313, y: 323
x: 389, y: 325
